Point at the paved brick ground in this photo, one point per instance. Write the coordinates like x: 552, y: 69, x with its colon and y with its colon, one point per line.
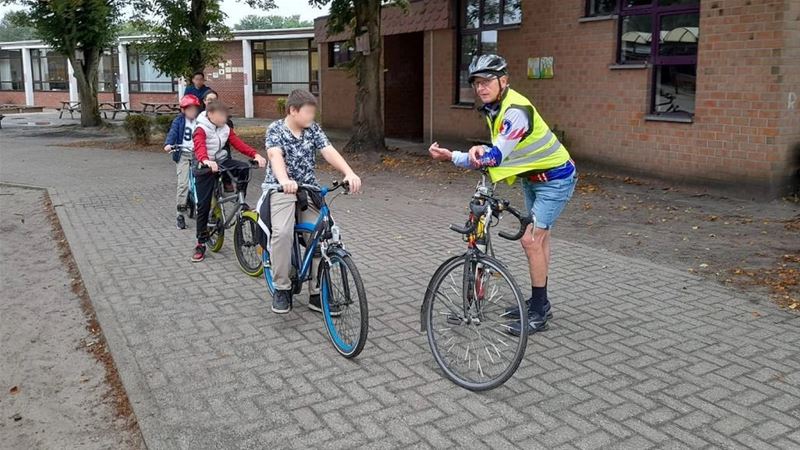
x: 639, y: 355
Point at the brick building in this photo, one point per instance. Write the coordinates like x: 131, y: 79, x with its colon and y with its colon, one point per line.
x: 258, y: 67
x: 717, y: 110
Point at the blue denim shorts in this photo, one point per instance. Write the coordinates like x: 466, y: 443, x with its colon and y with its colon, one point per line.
x: 546, y: 200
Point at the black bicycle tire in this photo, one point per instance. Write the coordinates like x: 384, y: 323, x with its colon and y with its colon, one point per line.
x: 362, y: 302
x: 237, y: 248
x: 441, y: 273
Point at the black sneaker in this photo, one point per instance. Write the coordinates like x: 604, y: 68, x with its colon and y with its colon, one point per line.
x: 536, y: 323
x: 199, y: 253
x: 180, y: 222
x: 513, y: 313
x: 315, y: 304
x: 282, y: 302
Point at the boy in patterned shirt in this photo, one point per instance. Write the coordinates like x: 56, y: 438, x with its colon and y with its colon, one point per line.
x: 292, y: 145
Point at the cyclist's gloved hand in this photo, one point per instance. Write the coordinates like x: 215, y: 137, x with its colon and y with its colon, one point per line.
x: 353, y: 181
x: 261, y: 161
x: 289, y: 186
x: 211, y: 165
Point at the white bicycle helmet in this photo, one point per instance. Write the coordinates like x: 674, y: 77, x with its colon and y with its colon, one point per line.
x: 487, y: 66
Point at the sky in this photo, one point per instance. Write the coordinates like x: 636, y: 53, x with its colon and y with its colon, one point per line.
x: 237, y: 9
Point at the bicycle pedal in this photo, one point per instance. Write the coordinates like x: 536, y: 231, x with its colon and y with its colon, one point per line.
x: 452, y: 319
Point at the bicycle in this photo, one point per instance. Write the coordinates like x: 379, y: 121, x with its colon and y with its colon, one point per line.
x: 474, y: 295
x: 191, y: 197
x: 346, y: 318
x: 244, y: 220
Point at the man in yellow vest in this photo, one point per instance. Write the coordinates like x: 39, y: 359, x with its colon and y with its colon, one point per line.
x: 524, y: 147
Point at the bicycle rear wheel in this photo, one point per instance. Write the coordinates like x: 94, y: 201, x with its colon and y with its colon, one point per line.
x: 247, y: 250
x: 344, y: 304
x: 468, y: 324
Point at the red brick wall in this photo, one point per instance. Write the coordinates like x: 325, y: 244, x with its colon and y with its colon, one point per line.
x: 337, y: 93
x: 738, y: 103
x: 789, y: 135
x: 12, y: 97
x: 230, y: 91
x: 48, y: 99
x: 266, y: 106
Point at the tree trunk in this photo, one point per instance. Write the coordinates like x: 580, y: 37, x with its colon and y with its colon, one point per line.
x: 86, y: 75
x: 368, y: 116
x: 198, y: 29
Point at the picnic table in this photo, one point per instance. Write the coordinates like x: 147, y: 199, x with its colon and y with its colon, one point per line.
x: 160, y: 107
x: 113, y: 108
x: 69, y: 106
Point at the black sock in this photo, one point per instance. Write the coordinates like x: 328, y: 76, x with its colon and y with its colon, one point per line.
x: 538, y: 299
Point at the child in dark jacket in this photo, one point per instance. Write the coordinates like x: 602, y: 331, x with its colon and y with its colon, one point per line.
x: 180, y: 134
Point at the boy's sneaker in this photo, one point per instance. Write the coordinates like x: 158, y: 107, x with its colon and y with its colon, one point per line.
x: 315, y: 304
x: 281, y: 302
x: 513, y: 313
x: 199, y: 253
x: 535, y: 324
x: 180, y: 222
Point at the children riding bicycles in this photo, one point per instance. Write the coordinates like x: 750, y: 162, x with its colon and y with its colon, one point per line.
x: 210, y: 136
x: 292, y: 145
x: 180, y: 134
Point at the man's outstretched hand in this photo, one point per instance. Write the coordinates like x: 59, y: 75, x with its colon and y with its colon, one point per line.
x: 440, y: 153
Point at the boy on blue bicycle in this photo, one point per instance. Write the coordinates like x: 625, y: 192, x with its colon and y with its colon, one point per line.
x: 180, y: 134
x: 292, y: 145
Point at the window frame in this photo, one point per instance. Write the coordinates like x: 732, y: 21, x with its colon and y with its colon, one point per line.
x: 351, y: 54
x: 655, y: 60
x: 463, y: 31
x: 21, y: 81
x: 133, y: 52
x: 312, y: 85
x: 613, y: 11
x: 36, y: 58
x: 109, y: 86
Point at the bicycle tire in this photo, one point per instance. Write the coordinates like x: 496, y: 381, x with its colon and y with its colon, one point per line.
x: 216, y: 233
x: 242, y: 245
x: 447, y: 268
x: 342, y: 342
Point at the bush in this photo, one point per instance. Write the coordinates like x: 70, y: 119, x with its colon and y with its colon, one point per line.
x: 138, y: 128
x: 164, y: 121
x: 281, y: 105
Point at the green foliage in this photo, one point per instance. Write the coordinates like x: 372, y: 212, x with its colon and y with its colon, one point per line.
x: 280, y: 104
x: 14, y: 27
x: 138, y: 127
x: 183, y: 32
x: 164, y: 121
x: 271, y: 22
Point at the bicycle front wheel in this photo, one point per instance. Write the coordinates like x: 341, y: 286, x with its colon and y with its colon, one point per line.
x: 473, y: 338
x: 344, y: 304
x: 247, y: 250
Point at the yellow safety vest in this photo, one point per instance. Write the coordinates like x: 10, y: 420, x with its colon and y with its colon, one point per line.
x: 539, y: 150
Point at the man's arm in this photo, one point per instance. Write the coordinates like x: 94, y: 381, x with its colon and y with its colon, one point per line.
x: 516, y: 125
x: 278, y: 166
x: 335, y: 159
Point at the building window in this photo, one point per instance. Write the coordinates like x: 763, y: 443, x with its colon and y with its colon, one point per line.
x: 144, y: 77
x: 279, y: 66
x: 49, y: 70
x: 596, y: 8
x: 479, y: 21
x: 340, y: 53
x: 107, y: 71
x: 11, y: 78
x: 673, y: 54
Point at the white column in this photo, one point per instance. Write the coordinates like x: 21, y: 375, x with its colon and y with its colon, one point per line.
x: 122, y: 77
x: 247, y: 72
x: 27, y: 71
x: 73, y: 83
x: 181, y: 87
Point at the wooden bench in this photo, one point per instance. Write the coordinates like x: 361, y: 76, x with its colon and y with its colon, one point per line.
x: 71, y: 107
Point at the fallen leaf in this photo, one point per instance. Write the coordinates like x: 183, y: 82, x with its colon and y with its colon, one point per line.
x: 14, y: 390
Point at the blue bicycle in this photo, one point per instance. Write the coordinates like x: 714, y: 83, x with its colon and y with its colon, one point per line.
x: 343, y: 298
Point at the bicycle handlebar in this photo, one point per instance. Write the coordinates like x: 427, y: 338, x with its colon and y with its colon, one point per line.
x: 334, y: 186
x: 524, y: 221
